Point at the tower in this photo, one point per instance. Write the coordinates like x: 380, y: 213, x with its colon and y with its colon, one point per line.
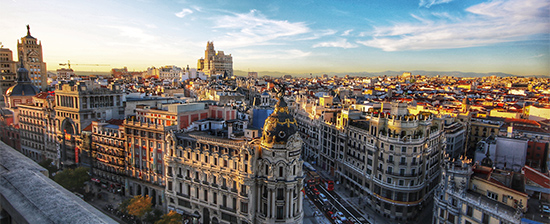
x: 30, y: 53
x: 279, y: 177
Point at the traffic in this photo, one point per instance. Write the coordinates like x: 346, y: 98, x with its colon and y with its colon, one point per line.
x: 321, y: 192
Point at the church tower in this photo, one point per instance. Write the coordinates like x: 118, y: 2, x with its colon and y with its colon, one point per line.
x: 30, y: 52
x: 279, y: 176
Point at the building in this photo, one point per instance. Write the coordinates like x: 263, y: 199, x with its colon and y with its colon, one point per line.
x: 536, y: 113
x: 393, y: 159
x: 479, y: 194
x: 505, y: 153
x: 455, y: 133
x: 30, y: 54
x: 22, y: 92
x: 219, y: 179
x: 65, y: 73
x: 77, y: 104
x: 37, y: 128
x: 215, y: 63
x: 170, y: 72
x: 108, y: 153
x: 7, y: 69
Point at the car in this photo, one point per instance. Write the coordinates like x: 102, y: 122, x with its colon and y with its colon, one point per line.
x: 315, y: 191
x: 338, y: 221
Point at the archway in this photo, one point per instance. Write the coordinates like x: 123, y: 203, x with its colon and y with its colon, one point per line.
x: 215, y: 220
x: 145, y: 191
x: 138, y: 192
x: 205, y: 216
x: 67, y: 127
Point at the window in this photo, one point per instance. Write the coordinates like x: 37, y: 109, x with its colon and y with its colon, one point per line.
x: 469, y: 211
x: 244, y: 207
x: 403, y: 149
x: 492, y: 195
x: 451, y: 218
x: 279, y: 212
x: 485, y: 219
x: 504, y: 198
x: 215, y: 197
x: 205, y: 195
x: 280, y: 171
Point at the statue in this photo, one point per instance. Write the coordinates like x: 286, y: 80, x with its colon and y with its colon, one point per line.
x: 28, y: 30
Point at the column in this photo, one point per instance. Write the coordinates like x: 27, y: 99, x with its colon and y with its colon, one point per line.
x: 288, y: 203
x: 273, y: 205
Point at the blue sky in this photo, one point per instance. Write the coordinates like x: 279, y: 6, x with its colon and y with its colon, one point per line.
x: 299, y: 37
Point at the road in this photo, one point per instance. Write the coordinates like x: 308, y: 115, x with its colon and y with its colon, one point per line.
x: 343, y: 206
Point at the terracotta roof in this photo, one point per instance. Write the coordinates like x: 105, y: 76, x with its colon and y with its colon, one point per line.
x: 536, y: 176
x: 524, y: 121
x: 88, y: 128
x: 115, y: 121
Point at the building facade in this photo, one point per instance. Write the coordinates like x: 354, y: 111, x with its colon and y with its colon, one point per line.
x: 217, y: 179
x: 476, y: 194
x: 215, y: 63
x: 35, y: 126
x: 108, y: 153
x: 7, y: 69
x: 30, y: 53
x: 76, y: 106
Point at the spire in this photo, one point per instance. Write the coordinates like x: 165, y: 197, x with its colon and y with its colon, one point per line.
x: 22, y: 72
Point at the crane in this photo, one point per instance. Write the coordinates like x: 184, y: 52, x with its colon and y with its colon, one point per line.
x: 69, y: 64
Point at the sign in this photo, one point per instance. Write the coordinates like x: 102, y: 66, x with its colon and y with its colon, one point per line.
x: 294, y: 153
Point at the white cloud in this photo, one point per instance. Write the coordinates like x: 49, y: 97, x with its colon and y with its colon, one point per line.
x: 429, y: 3
x: 135, y: 33
x: 183, y: 13
x: 486, y: 23
x: 347, y: 32
x: 342, y: 43
x: 253, y: 28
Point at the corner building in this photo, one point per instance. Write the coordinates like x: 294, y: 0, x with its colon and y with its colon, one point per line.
x: 220, y: 180
x: 394, y: 160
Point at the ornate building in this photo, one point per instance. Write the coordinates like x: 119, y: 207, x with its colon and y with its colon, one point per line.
x: 22, y: 92
x: 215, y: 63
x: 225, y: 180
x: 30, y: 53
x: 478, y: 194
x: 76, y: 106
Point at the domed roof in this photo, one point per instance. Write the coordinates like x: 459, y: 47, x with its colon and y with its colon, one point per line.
x: 279, y: 126
x: 23, y: 85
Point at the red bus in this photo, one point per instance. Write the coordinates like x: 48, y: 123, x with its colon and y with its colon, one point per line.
x: 329, y: 185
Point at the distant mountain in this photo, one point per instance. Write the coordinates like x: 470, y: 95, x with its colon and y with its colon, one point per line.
x: 384, y: 73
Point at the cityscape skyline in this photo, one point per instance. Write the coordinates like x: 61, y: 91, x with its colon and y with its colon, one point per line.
x: 350, y: 36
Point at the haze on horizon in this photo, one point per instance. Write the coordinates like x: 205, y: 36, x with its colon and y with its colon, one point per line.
x: 297, y: 37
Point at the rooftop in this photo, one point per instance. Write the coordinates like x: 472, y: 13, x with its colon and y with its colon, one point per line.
x: 29, y: 196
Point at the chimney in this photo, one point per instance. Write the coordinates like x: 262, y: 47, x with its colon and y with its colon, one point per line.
x: 229, y: 130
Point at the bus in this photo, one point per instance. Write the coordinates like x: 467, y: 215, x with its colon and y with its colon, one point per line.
x: 329, y: 185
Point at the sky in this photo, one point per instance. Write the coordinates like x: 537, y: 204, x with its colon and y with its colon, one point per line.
x: 295, y: 37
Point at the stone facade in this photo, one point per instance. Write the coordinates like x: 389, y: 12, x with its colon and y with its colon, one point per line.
x: 215, y: 63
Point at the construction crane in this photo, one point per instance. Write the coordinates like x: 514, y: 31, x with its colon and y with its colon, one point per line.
x: 69, y: 64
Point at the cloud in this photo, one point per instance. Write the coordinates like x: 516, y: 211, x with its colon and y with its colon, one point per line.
x: 342, y: 43
x: 347, y: 32
x: 537, y: 56
x: 183, y: 13
x: 429, y: 3
x: 485, y: 23
x: 253, y: 28
x: 135, y: 33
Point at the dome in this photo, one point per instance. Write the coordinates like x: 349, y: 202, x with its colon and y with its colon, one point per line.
x: 279, y: 126
x: 23, y: 85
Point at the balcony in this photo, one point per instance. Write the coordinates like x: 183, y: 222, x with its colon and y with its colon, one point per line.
x: 390, y: 161
x: 402, y: 163
x: 234, y: 190
x: 227, y: 208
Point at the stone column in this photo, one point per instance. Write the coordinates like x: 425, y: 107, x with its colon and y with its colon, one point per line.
x: 273, y: 205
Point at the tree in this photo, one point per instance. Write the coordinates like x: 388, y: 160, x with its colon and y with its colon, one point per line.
x: 72, y: 179
x: 153, y: 216
x: 170, y: 218
x: 139, y: 206
x: 49, y: 166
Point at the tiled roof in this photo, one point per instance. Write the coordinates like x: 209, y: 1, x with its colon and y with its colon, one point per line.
x: 536, y: 176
